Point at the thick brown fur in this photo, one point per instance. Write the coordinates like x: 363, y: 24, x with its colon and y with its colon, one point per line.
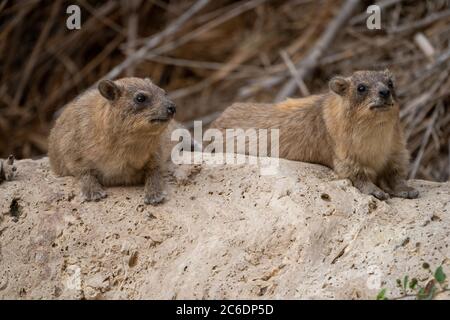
x: 358, y: 134
x: 107, y: 137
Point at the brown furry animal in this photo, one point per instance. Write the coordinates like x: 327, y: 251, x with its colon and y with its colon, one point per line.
x: 353, y: 129
x: 114, y: 136
x: 7, y: 169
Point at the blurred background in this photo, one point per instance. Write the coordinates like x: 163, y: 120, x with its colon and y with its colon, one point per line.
x: 208, y: 54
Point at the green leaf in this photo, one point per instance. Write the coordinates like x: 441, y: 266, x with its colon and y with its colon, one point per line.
x: 382, y: 294
x: 405, y: 282
x: 413, y: 283
x: 421, y: 294
x: 439, y: 275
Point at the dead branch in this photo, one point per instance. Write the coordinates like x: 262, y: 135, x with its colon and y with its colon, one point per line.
x: 308, y: 64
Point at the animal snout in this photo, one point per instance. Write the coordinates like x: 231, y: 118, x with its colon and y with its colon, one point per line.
x: 384, y: 93
x: 171, y: 108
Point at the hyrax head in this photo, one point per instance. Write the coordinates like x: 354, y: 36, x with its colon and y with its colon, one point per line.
x: 367, y: 91
x: 141, y: 104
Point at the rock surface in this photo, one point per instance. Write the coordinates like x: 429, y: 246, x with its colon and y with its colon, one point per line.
x: 229, y: 233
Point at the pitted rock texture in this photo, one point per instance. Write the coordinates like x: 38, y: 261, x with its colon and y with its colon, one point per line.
x: 230, y: 233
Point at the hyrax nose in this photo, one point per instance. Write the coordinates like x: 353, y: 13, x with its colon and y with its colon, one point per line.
x: 384, y: 93
x: 171, y: 108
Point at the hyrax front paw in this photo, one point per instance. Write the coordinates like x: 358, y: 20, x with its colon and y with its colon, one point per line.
x: 406, y: 192
x: 94, y: 194
x: 372, y: 189
x: 155, y: 198
x: 379, y: 194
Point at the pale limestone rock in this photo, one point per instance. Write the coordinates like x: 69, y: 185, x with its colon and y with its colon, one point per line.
x: 231, y: 232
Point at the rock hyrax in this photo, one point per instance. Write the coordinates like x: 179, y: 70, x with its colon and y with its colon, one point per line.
x: 354, y: 129
x: 113, y: 135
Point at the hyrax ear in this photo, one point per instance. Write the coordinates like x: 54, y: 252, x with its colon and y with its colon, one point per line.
x: 338, y: 85
x: 109, y: 89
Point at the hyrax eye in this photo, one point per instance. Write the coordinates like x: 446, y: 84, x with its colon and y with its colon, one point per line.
x: 140, y: 98
x: 362, y: 88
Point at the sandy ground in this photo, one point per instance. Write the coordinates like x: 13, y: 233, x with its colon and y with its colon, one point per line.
x: 230, y: 233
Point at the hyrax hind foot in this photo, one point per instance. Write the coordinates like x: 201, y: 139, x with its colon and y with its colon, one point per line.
x: 91, y: 190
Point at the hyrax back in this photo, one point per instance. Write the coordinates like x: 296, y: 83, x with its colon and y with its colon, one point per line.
x: 113, y: 136
x: 354, y: 129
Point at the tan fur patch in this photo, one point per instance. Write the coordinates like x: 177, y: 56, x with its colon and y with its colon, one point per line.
x: 292, y: 104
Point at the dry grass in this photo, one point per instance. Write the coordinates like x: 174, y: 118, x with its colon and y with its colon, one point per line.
x: 220, y: 52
